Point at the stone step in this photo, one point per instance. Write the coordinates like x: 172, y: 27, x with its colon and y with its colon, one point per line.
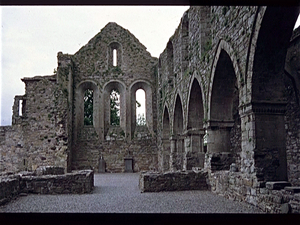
x: 293, y: 190
x: 277, y: 185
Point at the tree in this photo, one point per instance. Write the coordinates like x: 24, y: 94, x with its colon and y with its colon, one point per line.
x: 115, y: 108
x: 88, y: 107
x: 141, y: 120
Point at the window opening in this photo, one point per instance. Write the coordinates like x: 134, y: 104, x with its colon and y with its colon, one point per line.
x: 140, y: 107
x: 115, y: 57
x: 88, y: 107
x: 115, y: 107
x: 20, y: 108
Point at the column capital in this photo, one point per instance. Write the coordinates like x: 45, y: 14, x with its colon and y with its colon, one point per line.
x: 263, y: 108
x: 220, y: 123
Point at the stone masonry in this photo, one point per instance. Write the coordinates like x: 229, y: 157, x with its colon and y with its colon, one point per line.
x: 223, y: 97
x: 45, y: 180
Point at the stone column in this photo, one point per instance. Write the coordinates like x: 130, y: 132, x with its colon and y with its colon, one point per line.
x: 263, y: 140
x: 218, y: 145
x: 218, y: 139
x: 166, y: 154
x: 127, y: 115
x: 179, y: 152
x: 172, y: 153
x: 194, y: 154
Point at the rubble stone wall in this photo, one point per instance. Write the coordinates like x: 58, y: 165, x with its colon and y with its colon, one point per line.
x: 170, y: 181
x: 77, y: 182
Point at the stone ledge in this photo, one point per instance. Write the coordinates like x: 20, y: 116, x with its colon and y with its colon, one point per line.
x: 292, y: 190
x: 277, y: 185
x: 173, y: 181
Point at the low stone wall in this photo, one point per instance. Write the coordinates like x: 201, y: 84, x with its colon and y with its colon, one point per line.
x: 242, y: 187
x: 9, y: 187
x: 173, y: 181
x: 77, y: 182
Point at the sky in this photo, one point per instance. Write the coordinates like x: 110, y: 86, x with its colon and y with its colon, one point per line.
x: 31, y: 37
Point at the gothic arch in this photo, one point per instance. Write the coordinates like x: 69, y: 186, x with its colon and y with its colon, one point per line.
x: 166, y: 140
x: 146, y: 86
x: 223, y: 116
x: 223, y: 46
x: 194, y: 152
x: 279, y: 22
x: 178, y: 151
x: 265, y: 81
x: 166, y: 123
x: 224, y: 88
x: 79, y: 105
x: 108, y: 87
x: 195, y: 115
x: 178, y: 111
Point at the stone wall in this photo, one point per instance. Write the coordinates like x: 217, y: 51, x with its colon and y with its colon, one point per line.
x: 170, y: 181
x: 114, y: 150
x: 251, y: 118
x: 9, y: 187
x: 45, y: 180
x: 38, y: 136
x: 244, y: 187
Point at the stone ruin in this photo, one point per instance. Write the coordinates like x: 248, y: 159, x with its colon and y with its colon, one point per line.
x: 222, y: 108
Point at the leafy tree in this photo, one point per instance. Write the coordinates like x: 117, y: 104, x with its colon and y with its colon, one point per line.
x: 88, y: 107
x: 141, y: 120
x: 115, y: 108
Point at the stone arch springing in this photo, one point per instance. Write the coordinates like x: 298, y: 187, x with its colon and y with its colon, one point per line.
x: 166, y: 140
x: 270, y: 40
x: 115, y: 48
x: 223, y: 118
x: 120, y: 87
x: 144, y: 85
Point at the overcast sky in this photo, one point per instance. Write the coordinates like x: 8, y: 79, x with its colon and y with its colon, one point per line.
x: 31, y: 36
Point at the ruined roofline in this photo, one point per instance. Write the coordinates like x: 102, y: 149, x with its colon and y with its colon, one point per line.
x: 38, y: 78
x: 176, y: 32
x: 93, y: 39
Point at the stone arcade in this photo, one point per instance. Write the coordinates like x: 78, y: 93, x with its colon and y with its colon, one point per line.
x: 228, y: 75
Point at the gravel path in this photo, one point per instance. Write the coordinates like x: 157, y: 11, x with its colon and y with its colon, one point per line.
x: 119, y: 193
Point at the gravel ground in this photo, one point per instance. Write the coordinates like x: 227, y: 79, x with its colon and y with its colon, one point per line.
x: 119, y: 193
